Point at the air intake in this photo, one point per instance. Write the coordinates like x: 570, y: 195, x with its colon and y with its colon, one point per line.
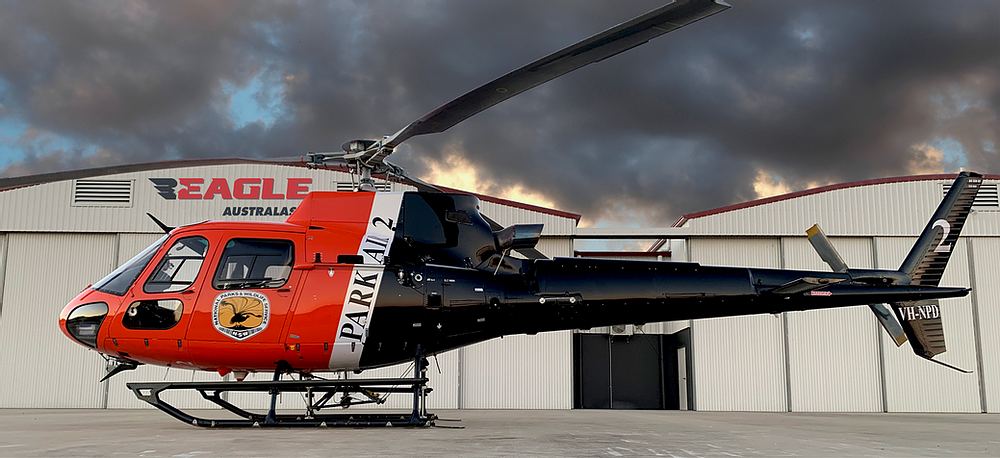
x: 102, y: 193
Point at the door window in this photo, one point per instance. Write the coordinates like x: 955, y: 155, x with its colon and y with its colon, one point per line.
x: 254, y: 264
x: 153, y: 314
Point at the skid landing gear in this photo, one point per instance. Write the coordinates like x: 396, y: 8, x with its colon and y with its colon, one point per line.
x: 353, y: 391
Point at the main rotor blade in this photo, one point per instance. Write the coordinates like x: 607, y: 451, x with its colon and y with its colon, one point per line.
x: 596, y: 48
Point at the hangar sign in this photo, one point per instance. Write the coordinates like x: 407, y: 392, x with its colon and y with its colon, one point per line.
x: 240, y: 189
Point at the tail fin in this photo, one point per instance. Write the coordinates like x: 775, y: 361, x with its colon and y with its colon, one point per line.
x: 921, y: 320
x: 926, y: 262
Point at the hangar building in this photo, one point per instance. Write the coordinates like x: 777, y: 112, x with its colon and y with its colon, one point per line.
x: 62, y: 231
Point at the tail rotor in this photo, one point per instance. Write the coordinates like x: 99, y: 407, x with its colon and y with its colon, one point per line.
x: 918, y: 321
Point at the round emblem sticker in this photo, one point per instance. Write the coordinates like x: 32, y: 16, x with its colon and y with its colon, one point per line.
x: 241, y: 314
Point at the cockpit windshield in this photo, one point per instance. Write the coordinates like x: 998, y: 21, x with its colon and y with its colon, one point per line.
x: 119, y: 281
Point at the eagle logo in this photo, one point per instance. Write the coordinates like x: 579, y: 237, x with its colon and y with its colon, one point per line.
x: 165, y: 187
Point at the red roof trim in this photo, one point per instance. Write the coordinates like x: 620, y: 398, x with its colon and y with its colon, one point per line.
x: 833, y: 187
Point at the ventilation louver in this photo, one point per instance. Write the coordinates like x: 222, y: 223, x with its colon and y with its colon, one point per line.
x: 986, y: 199
x: 102, y: 193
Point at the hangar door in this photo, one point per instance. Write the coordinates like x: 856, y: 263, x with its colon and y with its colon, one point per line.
x: 43, y: 272
x: 628, y: 372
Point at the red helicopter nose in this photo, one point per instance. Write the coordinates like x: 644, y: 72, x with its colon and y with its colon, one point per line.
x: 82, y: 318
x: 84, y: 321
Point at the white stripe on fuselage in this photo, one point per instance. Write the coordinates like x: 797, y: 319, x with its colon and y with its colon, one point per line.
x: 359, y: 302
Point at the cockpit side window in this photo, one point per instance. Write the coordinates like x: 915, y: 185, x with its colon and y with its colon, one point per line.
x: 179, y: 267
x: 119, y: 281
x: 253, y: 264
x: 153, y: 314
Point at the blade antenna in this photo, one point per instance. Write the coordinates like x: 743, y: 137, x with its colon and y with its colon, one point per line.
x: 166, y: 229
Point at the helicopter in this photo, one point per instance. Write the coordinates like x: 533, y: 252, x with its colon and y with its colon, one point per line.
x: 365, y: 279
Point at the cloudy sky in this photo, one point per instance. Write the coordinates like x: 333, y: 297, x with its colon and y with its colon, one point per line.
x: 767, y: 97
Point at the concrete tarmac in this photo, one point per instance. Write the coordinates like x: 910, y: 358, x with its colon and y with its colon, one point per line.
x: 489, y: 433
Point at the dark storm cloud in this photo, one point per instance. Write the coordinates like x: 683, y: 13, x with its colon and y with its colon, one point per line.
x: 812, y: 92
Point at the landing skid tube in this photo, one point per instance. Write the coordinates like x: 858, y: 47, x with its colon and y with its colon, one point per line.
x: 371, y: 389
x: 368, y: 388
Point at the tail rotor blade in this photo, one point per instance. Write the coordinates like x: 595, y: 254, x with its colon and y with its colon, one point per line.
x: 889, y: 322
x: 829, y: 254
x: 825, y: 249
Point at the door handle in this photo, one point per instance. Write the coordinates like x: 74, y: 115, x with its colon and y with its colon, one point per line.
x: 190, y: 291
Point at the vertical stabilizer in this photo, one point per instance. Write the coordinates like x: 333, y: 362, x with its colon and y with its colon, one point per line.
x: 925, y: 264
x: 929, y: 256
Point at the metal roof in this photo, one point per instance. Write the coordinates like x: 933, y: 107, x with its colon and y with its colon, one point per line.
x: 833, y: 187
x: 7, y: 184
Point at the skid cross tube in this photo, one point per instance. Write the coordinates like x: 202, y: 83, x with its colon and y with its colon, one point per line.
x: 212, y: 391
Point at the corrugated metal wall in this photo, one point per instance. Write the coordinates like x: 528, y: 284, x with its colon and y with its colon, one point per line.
x: 986, y: 293
x: 555, y: 246
x: 916, y: 385
x: 833, y: 355
x: 3, y: 268
x: 739, y: 361
x: 893, y: 209
x: 47, y: 207
x: 506, y: 215
x: 42, y: 368
x: 518, y: 372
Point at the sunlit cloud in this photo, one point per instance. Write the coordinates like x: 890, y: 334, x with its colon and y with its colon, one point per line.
x: 767, y: 184
x: 926, y: 160
x: 455, y: 171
